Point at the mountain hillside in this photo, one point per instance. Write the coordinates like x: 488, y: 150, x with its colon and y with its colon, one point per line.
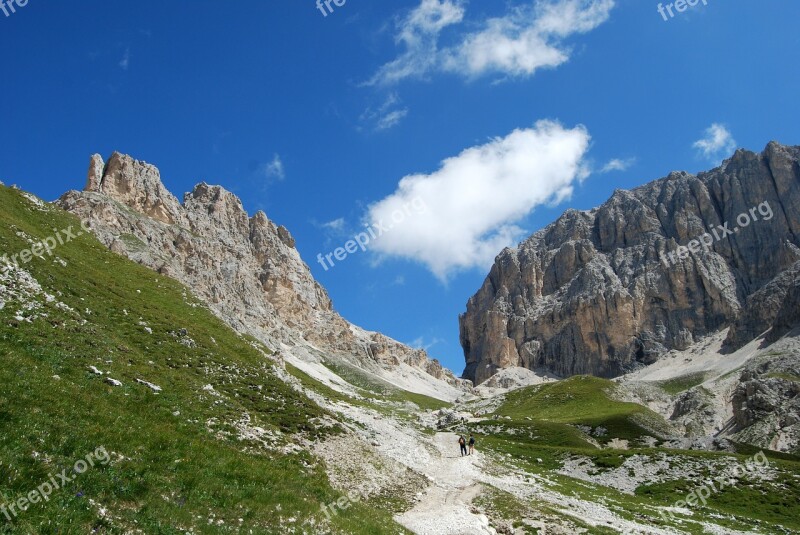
x: 246, y: 268
x: 609, y: 290
x: 193, y: 427
x: 203, y: 434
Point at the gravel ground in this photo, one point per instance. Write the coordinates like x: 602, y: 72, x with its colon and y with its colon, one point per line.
x: 390, y: 456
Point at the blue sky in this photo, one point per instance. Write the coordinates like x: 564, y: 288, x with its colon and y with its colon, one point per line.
x: 485, y: 119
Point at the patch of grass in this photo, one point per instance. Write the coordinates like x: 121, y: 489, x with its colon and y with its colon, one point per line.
x: 728, y: 509
x: 775, y: 503
x: 420, y: 400
x: 322, y: 389
x: 750, y: 450
x: 132, y: 242
x: 731, y: 373
x: 541, y: 435
x: 683, y: 383
x: 503, y: 507
x: 585, y: 401
x: 506, y: 510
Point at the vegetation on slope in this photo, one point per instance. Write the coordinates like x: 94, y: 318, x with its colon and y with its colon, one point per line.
x: 375, y: 388
x: 538, y: 429
x: 582, y: 401
x: 683, y: 383
x: 214, y: 451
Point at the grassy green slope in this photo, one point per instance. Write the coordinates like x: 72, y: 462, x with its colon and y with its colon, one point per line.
x: 682, y: 383
x: 537, y: 431
x: 178, y: 460
x: 583, y: 401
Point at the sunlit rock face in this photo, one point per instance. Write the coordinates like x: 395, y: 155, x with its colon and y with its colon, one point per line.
x: 246, y: 268
x: 597, y: 292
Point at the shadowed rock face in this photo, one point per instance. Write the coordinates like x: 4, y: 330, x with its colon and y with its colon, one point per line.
x: 246, y: 268
x: 596, y: 293
x: 766, y: 402
x: 761, y: 310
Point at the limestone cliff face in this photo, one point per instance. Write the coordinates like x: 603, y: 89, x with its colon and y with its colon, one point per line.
x: 246, y: 268
x: 596, y: 293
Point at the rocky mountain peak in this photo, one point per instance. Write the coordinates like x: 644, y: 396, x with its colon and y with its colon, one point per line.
x: 217, y: 206
x: 246, y: 268
x: 135, y: 184
x: 592, y: 293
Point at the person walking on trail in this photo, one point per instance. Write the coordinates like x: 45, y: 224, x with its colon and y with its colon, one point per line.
x: 463, y: 444
x: 471, y: 444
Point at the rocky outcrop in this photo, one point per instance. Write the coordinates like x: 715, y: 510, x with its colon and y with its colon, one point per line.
x: 246, y: 268
x: 761, y: 309
x: 694, y: 412
x: 134, y: 184
x: 766, y: 403
x: 607, y: 290
x: 788, y: 315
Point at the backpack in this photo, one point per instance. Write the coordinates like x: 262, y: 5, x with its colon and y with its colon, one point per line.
x: 472, y: 441
x: 461, y: 440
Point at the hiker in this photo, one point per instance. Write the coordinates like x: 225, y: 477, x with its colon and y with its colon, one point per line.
x: 471, y: 444
x: 463, y: 444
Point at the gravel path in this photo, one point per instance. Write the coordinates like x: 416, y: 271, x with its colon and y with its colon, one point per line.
x: 445, y: 506
x: 429, y: 471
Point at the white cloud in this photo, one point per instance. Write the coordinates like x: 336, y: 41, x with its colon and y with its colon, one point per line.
x: 274, y: 169
x: 529, y: 37
x: 421, y: 343
x: 717, y: 143
x: 388, y: 115
x: 336, y: 224
x: 419, y: 33
x: 391, y: 119
x: 126, y: 60
x: 474, y: 200
x: 334, y: 230
x: 618, y: 164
